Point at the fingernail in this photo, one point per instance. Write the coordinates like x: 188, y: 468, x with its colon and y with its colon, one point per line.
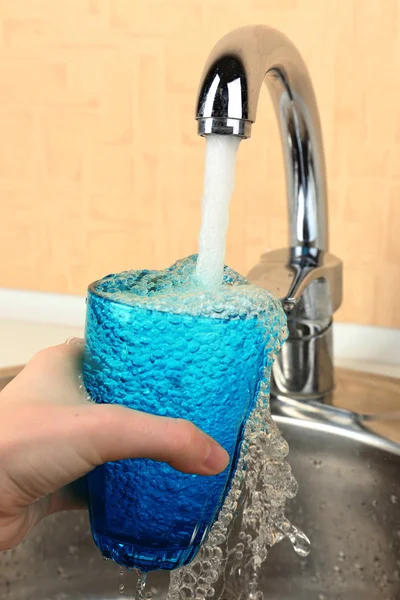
x: 74, y: 341
x: 217, y: 459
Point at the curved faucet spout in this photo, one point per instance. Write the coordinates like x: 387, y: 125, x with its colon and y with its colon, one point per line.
x: 227, y: 105
x: 305, y: 276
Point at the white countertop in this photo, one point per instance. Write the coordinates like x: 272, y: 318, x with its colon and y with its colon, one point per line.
x: 20, y: 340
x: 30, y: 321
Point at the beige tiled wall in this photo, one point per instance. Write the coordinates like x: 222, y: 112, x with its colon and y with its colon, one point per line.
x: 101, y: 168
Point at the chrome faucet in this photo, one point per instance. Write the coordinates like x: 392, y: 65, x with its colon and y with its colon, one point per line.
x: 306, y: 277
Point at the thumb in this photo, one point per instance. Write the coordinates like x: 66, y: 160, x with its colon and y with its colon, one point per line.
x: 116, y: 432
x: 66, y: 442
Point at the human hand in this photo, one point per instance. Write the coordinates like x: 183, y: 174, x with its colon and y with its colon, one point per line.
x: 51, y: 435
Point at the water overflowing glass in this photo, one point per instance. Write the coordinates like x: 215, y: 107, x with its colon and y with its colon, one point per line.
x: 157, y: 342
x: 228, y: 565
x: 195, y: 341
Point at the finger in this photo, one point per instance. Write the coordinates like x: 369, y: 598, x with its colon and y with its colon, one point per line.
x: 73, y: 496
x: 118, y: 432
x: 168, y: 440
x: 51, y: 446
x: 98, y: 433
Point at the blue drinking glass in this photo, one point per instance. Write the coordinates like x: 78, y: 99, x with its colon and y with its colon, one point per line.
x: 199, y: 356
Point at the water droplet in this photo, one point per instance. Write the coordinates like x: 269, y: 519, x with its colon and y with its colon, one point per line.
x: 214, y: 576
x: 239, y: 555
x: 189, y: 578
x: 300, y: 542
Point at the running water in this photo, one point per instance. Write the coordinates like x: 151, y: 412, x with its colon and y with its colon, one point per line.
x: 219, y: 182
x: 141, y: 587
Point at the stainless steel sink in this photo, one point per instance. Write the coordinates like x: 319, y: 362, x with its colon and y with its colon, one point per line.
x: 348, y: 503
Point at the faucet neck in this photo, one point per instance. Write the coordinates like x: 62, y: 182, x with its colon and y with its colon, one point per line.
x: 227, y: 105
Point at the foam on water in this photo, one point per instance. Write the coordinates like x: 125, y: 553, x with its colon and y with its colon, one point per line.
x: 219, y: 182
x: 177, y: 290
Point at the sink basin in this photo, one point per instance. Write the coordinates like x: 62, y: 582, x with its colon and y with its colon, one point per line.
x: 348, y: 468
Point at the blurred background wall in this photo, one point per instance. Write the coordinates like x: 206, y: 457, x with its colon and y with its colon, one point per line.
x: 101, y: 169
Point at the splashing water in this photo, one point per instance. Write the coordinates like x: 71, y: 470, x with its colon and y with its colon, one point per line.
x: 141, y: 587
x: 263, y: 481
x: 219, y: 182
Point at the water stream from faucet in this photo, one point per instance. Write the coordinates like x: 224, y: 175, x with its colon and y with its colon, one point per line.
x: 219, y: 183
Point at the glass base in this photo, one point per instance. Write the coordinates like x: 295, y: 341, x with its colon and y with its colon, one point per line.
x: 134, y: 556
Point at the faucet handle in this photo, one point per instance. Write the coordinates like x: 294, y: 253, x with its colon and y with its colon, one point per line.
x: 309, y: 283
x: 294, y: 269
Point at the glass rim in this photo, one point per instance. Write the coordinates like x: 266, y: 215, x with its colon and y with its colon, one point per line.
x: 92, y: 290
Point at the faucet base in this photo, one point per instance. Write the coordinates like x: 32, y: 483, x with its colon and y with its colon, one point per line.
x: 304, y: 369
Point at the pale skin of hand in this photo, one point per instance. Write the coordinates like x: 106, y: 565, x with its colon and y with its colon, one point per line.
x: 51, y: 436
